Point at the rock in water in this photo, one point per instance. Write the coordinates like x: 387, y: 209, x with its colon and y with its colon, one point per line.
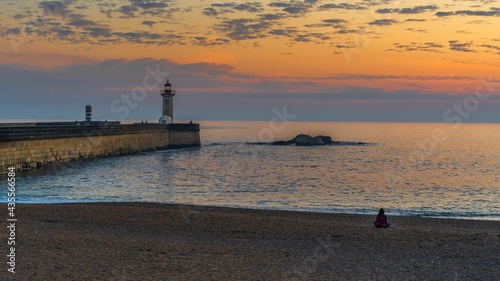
x: 312, y: 141
x: 306, y: 140
x: 281, y: 143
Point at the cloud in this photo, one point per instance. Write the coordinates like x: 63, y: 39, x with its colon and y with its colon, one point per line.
x: 272, y: 17
x: 259, y: 20
x: 98, y: 31
x: 247, y: 28
x: 295, y: 8
x: 79, y: 21
x: 383, y: 22
x: 147, y: 4
x: 312, y: 37
x: 166, y: 13
x: 493, y: 49
x: 217, y: 9
x: 54, y: 8
x: 493, y: 12
x: 21, y: 16
x: 138, y: 36
x: 204, y: 88
x: 244, y: 28
x: 298, y: 36
x: 490, y: 47
x: 413, y: 10
x: 341, y: 6
x: 444, y: 14
x: 288, y: 32
x: 204, y: 41
x: 223, y: 5
x: 352, y: 76
x: 212, y: 12
x: 128, y: 11
x: 351, y: 44
x: 349, y: 31
x: 335, y: 23
x: 77, y: 28
x: 456, y: 45
x: 12, y: 31
x: 107, y: 13
x: 341, y: 46
x: 82, y: 7
x: 417, y: 30
x: 251, y: 7
x: 148, y: 23
x: 421, y: 47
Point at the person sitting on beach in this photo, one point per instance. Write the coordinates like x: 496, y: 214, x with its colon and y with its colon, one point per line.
x: 381, y: 221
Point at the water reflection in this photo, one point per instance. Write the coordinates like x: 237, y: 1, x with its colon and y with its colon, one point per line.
x: 456, y: 177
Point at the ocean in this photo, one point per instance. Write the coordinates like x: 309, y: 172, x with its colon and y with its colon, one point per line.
x: 409, y: 169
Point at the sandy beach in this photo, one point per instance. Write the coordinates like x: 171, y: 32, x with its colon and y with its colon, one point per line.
x: 145, y: 241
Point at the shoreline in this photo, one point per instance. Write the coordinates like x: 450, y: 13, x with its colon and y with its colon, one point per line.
x: 157, y: 241
x: 301, y: 210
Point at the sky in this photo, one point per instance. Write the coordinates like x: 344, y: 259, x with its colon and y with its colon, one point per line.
x: 318, y: 60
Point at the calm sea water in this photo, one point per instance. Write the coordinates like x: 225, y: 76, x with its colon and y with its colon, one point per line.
x: 414, y: 169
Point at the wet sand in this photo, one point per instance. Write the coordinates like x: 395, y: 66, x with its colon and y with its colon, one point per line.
x: 145, y: 241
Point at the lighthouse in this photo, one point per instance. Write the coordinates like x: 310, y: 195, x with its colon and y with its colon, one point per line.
x: 168, y: 104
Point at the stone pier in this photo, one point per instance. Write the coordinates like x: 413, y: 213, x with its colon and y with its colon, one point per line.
x: 31, y: 147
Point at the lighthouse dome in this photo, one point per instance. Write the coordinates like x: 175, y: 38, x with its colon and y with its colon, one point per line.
x: 165, y: 119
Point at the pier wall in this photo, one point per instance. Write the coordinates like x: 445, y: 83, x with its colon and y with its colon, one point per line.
x: 27, y: 148
x: 183, y: 135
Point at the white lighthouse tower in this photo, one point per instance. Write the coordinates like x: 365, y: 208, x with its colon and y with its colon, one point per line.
x: 168, y: 104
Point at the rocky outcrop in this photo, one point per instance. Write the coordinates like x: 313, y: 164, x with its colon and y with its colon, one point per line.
x: 306, y: 140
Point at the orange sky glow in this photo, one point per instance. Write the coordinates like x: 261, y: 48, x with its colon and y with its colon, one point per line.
x: 425, y: 46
